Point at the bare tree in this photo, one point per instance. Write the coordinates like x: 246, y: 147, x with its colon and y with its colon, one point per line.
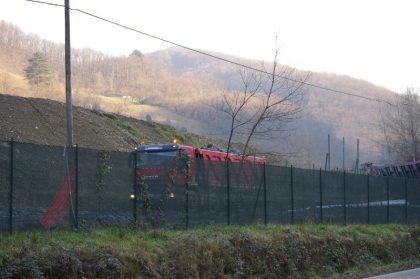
x: 278, y: 103
x: 234, y: 103
x: 401, y: 127
x: 268, y: 101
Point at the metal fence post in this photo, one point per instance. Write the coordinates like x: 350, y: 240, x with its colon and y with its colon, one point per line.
x: 265, y: 195
x: 11, y: 186
x: 320, y: 196
x: 292, y: 205
x: 187, y: 194
x: 134, y: 194
x: 228, y: 191
x: 76, y: 159
x: 368, y: 199
x: 345, y: 197
x: 203, y: 172
x: 387, y: 199
x: 406, y: 203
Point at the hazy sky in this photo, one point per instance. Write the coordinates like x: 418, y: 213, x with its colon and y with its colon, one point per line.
x: 375, y: 40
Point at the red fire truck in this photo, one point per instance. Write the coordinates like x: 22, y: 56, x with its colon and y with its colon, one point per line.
x: 153, y: 161
x: 167, y: 177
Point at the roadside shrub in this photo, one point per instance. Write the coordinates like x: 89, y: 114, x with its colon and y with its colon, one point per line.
x: 253, y: 252
x: 26, y: 267
x: 101, y: 264
x: 192, y: 257
x: 58, y: 263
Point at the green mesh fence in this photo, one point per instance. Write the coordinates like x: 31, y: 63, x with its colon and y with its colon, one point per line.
x: 104, y: 188
x: 413, y: 200
x: 378, y: 201
x: 356, y: 198
x: 279, y: 205
x: 246, y: 193
x: 333, y: 210
x: 41, y: 193
x: 161, y: 195
x: 396, y: 200
x: 208, y: 196
x: 54, y: 187
x: 4, y: 186
x: 305, y: 195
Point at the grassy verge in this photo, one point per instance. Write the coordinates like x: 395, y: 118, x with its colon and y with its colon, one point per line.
x: 299, y: 251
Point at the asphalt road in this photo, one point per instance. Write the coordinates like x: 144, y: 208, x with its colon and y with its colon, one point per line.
x: 407, y: 274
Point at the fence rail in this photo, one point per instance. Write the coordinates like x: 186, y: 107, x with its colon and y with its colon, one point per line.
x: 44, y: 187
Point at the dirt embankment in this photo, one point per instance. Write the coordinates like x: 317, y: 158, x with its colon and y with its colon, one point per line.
x: 43, y: 121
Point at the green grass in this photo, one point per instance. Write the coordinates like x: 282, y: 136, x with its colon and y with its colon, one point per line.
x: 284, y: 251
x: 167, y: 133
x: 124, y: 125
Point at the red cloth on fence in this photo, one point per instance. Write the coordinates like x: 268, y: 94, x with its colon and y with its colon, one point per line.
x: 61, y: 203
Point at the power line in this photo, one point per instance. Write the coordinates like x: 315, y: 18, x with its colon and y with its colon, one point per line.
x: 215, y: 56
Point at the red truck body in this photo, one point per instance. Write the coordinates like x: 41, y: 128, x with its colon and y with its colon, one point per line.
x: 154, y: 162
x: 171, y: 178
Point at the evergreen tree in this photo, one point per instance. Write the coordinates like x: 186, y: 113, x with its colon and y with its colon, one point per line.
x: 136, y: 53
x: 38, y: 72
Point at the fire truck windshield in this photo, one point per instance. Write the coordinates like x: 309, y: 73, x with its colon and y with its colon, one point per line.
x: 155, y: 158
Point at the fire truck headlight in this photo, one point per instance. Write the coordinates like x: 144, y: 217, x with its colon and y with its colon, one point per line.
x: 172, y: 195
x: 132, y: 196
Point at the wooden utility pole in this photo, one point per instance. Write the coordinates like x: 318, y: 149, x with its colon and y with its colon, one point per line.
x: 68, y: 74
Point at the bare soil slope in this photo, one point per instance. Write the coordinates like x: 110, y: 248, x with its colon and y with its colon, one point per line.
x: 44, y: 121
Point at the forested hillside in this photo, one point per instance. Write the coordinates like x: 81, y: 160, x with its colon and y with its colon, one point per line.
x: 179, y: 88
x: 133, y: 85
x: 324, y: 111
